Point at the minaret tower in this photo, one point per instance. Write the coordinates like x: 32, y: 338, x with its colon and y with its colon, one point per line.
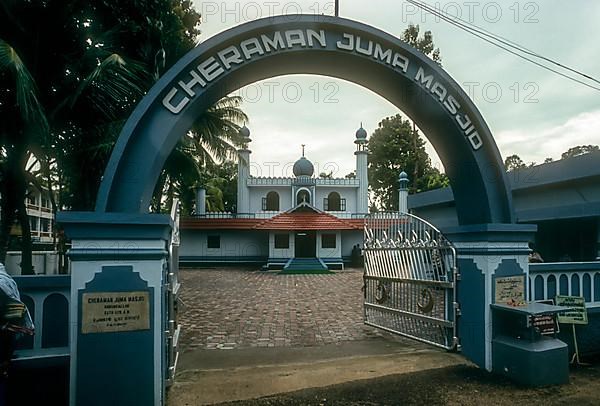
x: 403, y: 193
x: 362, y: 197
x: 243, y: 193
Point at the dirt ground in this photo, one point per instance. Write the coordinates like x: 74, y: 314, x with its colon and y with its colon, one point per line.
x: 374, y: 372
x: 252, y: 338
x: 455, y: 385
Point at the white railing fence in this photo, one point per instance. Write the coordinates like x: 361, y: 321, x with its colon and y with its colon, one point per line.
x: 546, y: 280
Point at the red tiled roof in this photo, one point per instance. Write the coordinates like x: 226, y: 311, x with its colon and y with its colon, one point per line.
x: 357, y: 223
x: 308, y: 221
x: 290, y: 220
x: 201, y: 223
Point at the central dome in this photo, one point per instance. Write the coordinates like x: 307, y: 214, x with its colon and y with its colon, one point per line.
x: 303, y: 167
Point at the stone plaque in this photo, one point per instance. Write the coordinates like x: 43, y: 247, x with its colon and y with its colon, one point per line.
x: 510, y: 291
x: 107, y: 312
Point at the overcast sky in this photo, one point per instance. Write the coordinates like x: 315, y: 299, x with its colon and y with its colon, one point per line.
x: 537, y: 115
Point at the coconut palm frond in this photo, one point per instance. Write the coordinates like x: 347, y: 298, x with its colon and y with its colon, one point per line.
x: 26, y: 90
x: 113, y: 82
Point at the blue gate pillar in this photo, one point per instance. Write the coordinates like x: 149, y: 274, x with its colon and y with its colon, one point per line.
x: 118, y: 270
x: 488, y: 255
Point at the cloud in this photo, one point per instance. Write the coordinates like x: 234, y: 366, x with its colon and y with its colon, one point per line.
x: 536, y: 145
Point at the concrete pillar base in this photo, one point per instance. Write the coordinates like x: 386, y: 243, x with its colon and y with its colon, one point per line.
x: 119, y: 265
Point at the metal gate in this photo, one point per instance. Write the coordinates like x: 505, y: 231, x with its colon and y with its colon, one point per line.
x: 171, y: 327
x: 409, y: 280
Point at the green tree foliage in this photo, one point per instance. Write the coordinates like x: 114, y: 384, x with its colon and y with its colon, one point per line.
x: 220, y: 182
x: 392, y: 151
x: 212, y: 142
x: 23, y: 125
x: 424, y: 43
x: 70, y: 75
x: 579, y: 150
x: 513, y: 162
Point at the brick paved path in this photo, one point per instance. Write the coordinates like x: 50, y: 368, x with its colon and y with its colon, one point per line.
x: 229, y: 308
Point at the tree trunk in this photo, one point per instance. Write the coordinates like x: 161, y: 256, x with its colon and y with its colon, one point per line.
x: 26, y: 245
x: 7, y: 217
x: 13, y: 206
x: 158, y: 193
x: 170, y: 195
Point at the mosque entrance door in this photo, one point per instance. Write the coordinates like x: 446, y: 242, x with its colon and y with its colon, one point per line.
x: 306, y: 244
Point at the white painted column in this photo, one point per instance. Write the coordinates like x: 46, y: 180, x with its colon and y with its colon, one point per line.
x: 243, y: 193
x: 200, y: 201
x: 484, y: 254
x: 88, y: 259
x: 362, y: 194
x: 124, y: 254
x: 403, y: 193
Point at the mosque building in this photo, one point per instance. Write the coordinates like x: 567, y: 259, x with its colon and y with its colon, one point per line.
x: 295, y: 222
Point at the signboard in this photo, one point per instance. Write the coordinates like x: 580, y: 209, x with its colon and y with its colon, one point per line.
x: 510, y: 290
x: 545, y: 324
x: 107, y: 312
x: 578, y: 313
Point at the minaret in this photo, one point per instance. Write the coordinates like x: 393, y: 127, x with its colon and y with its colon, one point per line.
x: 362, y: 194
x: 243, y: 193
x: 200, y: 201
x: 403, y: 193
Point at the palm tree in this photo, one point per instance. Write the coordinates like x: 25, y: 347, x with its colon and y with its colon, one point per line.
x: 24, y: 122
x: 214, y: 138
x: 108, y: 81
x: 69, y: 76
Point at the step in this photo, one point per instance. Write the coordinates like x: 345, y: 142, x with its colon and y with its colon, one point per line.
x: 305, y: 265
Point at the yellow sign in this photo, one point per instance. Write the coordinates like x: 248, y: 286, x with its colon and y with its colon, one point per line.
x: 107, y: 312
x: 510, y: 290
x: 577, y: 314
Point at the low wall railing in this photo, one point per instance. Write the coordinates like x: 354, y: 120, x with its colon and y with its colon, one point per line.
x: 44, y: 262
x: 546, y: 280
x: 269, y: 214
x: 47, y: 298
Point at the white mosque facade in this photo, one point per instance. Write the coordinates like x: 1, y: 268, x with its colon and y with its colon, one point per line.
x: 282, y: 221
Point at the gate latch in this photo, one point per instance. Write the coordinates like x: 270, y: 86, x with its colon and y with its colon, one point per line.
x: 456, y: 308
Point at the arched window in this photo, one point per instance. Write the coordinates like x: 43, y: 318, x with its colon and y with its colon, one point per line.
x: 55, y: 321
x: 271, y: 202
x: 303, y: 196
x: 333, y: 202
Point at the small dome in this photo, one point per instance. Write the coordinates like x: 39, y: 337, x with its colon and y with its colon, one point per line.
x: 303, y: 167
x: 403, y: 176
x: 361, y: 133
x: 245, y: 132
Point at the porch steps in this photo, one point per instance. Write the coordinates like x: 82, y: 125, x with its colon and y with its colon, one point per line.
x: 305, y: 266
